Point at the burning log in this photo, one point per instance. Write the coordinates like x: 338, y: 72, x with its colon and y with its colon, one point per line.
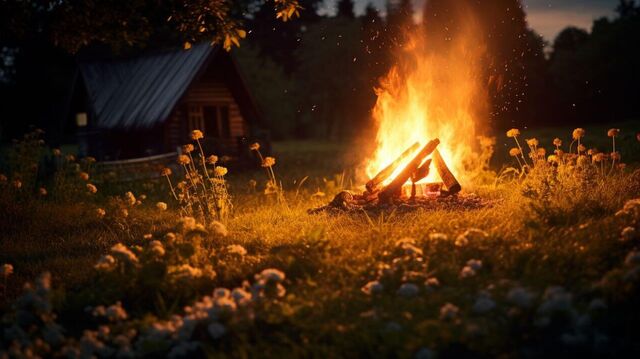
x: 450, y: 181
x: 373, y: 184
x: 420, y: 173
x: 395, y: 186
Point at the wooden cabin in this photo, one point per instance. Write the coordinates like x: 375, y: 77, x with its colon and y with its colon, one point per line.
x: 148, y: 105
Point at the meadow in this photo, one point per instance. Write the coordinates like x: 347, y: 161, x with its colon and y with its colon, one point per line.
x: 550, y: 268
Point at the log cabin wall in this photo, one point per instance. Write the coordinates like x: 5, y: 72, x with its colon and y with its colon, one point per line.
x: 208, y: 105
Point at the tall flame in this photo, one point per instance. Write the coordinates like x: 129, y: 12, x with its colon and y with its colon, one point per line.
x: 430, y: 93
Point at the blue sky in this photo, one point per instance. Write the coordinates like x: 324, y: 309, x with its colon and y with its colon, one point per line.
x: 547, y: 17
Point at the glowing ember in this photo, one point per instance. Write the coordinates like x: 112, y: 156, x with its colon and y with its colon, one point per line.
x: 430, y: 93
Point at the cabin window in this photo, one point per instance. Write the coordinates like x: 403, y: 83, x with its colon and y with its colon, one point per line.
x: 212, y: 119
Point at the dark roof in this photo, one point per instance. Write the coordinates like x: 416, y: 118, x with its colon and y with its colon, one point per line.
x: 141, y: 92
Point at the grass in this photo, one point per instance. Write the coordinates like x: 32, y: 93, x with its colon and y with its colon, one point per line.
x: 532, y: 241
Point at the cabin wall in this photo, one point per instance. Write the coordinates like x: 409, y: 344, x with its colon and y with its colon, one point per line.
x: 209, y: 91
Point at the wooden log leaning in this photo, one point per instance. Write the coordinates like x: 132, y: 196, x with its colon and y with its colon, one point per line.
x: 373, y: 184
x: 449, y: 180
x: 396, y: 184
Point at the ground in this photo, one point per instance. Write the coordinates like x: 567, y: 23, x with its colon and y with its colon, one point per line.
x: 546, y: 269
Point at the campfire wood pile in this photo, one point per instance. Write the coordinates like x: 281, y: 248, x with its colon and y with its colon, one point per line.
x: 440, y: 195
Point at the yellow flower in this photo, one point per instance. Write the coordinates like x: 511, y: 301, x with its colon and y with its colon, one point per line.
x: 131, y: 199
x: 599, y: 157
x: 196, y: 135
x: 212, y: 159
x: 552, y: 159
x: 184, y: 159
x: 188, y: 148
x: 254, y: 146
x: 268, y: 162
x: 557, y: 142
x: 514, y: 152
x: 532, y: 142
x: 220, y: 171
x: 56, y: 152
x: 578, y: 133
x: 582, y: 161
x: 615, y: 156
x: 613, y: 132
x: 592, y: 151
x: 42, y: 191
x: 84, y: 176
x: 581, y: 148
x: 514, y: 132
x: 166, y: 171
x: 91, y: 188
x: 161, y: 206
x: 100, y: 213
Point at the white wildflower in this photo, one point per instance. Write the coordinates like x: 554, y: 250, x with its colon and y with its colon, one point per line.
x: 438, y: 237
x: 448, y: 311
x: 467, y: 272
x: 483, y: 304
x: 475, y: 264
x: 124, y: 254
x: 130, y: 198
x: 236, y: 249
x: 471, y: 234
x: 218, y: 229
x: 408, y: 290
x: 156, y: 248
x: 373, y: 287
x: 105, y: 263
x: 116, y: 312
x: 241, y: 296
x: 271, y: 275
x: 520, y: 297
x: 216, y: 330
x: 633, y: 258
x: 628, y: 233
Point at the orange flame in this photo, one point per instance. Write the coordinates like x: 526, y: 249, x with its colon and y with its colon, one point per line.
x: 430, y: 93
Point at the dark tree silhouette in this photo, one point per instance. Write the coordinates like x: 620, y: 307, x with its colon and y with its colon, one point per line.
x: 345, y: 9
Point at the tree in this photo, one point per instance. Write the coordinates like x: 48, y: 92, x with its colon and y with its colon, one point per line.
x: 345, y: 9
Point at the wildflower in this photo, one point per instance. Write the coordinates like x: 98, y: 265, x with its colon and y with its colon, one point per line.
x: 613, y: 132
x: 467, y: 272
x: 161, y: 206
x: 628, y: 233
x: 218, y: 229
x: 408, y: 290
x: 633, y: 258
x: 373, y: 287
x: 448, y: 311
x: 236, y: 249
x: 42, y: 191
x: 166, y: 171
x: 513, y: 132
x: 254, y: 146
x: 70, y: 158
x: 578, y: 133
x: 268, y: 162
x: 156, y: 248
x: 432, y: 282
x: 115, y: 312
x: 185, y: 272
x: 615, y: 156
x: 532, y: 142
x: 483, y: 304
x: 130, y: 198
x: 92, y: 188
x: 556, y: 299
x: 184, y: 160
x: 557, y: 142
x: 514, y: 152
x: 212, y: 159
x: 475, y: 264
x: 3, y: 178
x: 241, y: 296
x: 599, y: 157
x: 188, y: 148
x: 56, y: 152
x: 438, y: 237
x: 582, y: 161
x: 541, y: 152
x: 17, y: 184
x: 106, y: 263
x: 220, y: 171
x: 581, y: 148
x: 6, y: 270
x: 216, y: 330
x: 592, y: 151
x: 559, y: 153
x: 122, y: 253
x: 552, y: 159
x: 187, y: 223
x: 271, y: 275
x: 84, y: 176
x: 196, y: 135
x: 100, y: 213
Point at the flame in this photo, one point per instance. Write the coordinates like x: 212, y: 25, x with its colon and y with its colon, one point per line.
x: 430, y: 93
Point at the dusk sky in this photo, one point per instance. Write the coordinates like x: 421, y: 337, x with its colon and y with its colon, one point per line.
x: 547, y: 17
